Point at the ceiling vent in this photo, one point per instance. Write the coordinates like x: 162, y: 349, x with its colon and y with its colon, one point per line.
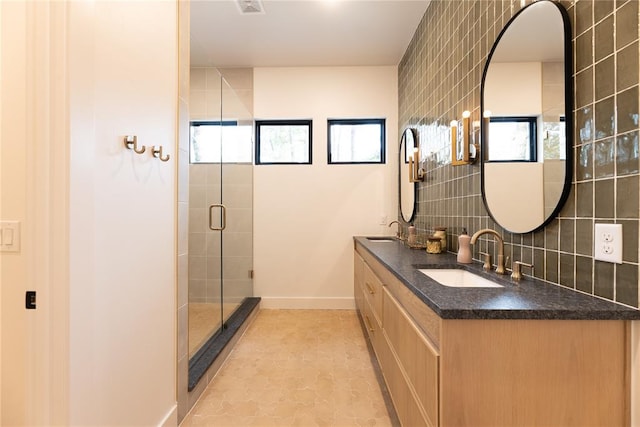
x: 250, y: 6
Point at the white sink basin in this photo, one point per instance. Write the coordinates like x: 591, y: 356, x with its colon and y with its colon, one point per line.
x: 457, y: 278
x: 381, y: 239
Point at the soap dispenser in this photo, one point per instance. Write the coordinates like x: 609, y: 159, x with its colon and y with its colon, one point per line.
x: 464, y: 248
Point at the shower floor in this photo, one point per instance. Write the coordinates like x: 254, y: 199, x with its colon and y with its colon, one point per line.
x: 204, y: 321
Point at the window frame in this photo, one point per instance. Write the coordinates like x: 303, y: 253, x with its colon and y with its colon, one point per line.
x: 368, y: 121
x: 533, y: 136
x: 283, y: 122
x: 221, y: 123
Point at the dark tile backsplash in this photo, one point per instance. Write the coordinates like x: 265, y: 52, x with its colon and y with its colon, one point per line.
x: 440, y: 76
x: 627, y: 67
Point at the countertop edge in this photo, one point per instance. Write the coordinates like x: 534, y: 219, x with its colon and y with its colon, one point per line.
x: 544, y: 310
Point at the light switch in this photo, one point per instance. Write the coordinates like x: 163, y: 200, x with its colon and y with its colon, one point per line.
x: 7, y: 237
x: 10, y: 237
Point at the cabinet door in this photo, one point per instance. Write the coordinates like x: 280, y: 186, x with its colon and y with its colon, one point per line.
x: 416, y: 356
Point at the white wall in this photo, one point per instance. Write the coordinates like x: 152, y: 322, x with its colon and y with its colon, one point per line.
x: 34, y: 166
x: 516, y: 194
x: 505, y: 79
x: 123, y: 80
x: 13, y: 177
x: 305, y: 215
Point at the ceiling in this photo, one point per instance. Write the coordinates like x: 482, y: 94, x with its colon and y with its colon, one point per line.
x: 303, y: 32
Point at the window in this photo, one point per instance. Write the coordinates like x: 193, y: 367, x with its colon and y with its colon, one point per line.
x: 356, y: 140
x: 512, y: 139
x: 220, y: 142
x: 283, y: 142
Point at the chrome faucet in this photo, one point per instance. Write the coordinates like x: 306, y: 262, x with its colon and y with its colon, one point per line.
x: 397, y: 232
x: 500, y: 258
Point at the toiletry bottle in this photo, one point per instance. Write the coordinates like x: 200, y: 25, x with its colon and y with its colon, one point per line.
x: 464, y: 248
x: 411, y: 239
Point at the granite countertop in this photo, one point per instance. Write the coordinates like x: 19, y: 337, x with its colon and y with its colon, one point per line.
x: 527, y: 299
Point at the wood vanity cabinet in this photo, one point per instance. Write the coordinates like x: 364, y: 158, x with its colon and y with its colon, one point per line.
x: 478, y: 372
x: 407, y: 357
x: 414, y: 361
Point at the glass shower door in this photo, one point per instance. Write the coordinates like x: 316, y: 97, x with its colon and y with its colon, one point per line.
x: 237, y: 191
x: 220, y: 210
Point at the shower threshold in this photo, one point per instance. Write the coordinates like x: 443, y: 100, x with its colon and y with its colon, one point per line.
x: 210, y: 351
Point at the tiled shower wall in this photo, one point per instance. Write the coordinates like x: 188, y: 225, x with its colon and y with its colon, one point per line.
x: 184, y: 32
x: 439, y: 78
x: 232, y: 184
x: 201, y: 95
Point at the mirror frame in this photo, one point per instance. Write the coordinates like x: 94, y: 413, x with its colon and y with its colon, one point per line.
x: 402, y: 158
x: 568, y: 109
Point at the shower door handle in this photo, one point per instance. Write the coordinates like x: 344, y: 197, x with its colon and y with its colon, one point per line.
x: 223, y: 224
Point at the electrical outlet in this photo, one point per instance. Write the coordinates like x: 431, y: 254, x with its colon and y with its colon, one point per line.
x: 607, y: 242
x: 383, y: 220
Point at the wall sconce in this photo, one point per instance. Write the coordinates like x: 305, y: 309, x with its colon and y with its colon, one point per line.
x: 463, y: 152
x: 416, y: 173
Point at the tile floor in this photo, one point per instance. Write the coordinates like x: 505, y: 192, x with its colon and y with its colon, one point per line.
x: 296, y: 368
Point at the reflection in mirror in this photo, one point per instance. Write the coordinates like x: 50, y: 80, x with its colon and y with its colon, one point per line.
x: 407, y: 193
x: 527, y: 126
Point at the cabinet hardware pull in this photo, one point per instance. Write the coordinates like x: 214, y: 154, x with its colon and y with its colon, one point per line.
x: 368, y: 322
x: 371, y: 291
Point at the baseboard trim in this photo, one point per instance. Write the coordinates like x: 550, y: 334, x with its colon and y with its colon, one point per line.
x: 308, y: 303
x: 171, y: 419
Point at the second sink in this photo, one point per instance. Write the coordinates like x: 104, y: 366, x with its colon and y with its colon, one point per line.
x: 457, y: 278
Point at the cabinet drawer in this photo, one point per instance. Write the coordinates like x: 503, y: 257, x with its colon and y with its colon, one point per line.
x: 416, y: 355
x: 374, y: 331
x: 373, y: 292
x: 425, y: 318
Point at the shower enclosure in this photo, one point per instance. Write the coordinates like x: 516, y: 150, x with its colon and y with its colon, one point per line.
x: 220, y: 208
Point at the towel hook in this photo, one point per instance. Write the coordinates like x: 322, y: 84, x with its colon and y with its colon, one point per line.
x: 157, y: 152
x: 131, y: 142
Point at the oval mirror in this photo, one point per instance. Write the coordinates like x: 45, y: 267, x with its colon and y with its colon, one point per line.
x: 527, y: 121
x: 407, y: 189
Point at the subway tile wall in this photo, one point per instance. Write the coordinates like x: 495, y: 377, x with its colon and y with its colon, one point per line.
x: 440, y: 76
